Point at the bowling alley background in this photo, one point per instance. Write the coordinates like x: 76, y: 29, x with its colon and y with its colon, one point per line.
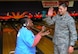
x: 12, y: 11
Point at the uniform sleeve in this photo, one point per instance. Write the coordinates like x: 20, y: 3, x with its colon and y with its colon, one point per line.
x: 49, y: 20
x: 73, y: 33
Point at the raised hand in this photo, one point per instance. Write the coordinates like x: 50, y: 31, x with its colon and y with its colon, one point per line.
x: 43, y: 28
x: 50, y: 11
x: 44, y: 33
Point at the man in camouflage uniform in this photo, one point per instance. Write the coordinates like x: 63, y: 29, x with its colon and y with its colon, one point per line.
x: 65, y: 31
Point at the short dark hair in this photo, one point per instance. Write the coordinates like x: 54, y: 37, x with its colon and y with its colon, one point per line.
x: 63, y: 4
x: 23, y: 20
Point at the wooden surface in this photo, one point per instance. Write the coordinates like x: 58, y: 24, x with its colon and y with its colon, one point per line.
x: 46, y: 46
x: 9, y: 41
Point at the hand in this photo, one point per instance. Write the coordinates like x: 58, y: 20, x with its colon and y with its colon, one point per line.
x: 43, y: 28
x: 50, y: 11
x: 45, y: 33
x: 70, y: 49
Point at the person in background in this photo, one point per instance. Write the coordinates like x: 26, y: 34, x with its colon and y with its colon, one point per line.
x: 43, y: 14
x: 65, y: 31
x: 26, y: 40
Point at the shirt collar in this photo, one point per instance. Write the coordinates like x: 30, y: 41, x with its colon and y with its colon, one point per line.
x: 25, y: 28
x: 64, y: 16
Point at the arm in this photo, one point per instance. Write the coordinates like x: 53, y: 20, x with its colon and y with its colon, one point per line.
x: 36, y: 40
x: 73, y: 36
x: 73, y: 33
x: 48, y: 19
x: 39, y: 35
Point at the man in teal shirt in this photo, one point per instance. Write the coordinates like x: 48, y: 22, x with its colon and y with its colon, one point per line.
x: 26, y: 40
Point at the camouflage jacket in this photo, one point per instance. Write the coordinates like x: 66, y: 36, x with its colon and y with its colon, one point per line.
x: 65, y: 30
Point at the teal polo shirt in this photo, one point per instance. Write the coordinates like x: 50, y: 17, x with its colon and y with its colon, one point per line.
x: 25, y: 40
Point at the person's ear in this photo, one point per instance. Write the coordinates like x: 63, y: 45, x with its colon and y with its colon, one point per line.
x: 66, y: 8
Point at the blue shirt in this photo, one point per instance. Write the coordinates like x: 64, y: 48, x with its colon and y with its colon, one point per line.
x: 25, y: 40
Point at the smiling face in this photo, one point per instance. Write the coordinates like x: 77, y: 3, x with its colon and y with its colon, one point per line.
x: 62, y: 10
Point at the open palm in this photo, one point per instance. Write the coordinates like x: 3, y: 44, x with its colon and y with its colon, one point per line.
x: 50, y: 11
